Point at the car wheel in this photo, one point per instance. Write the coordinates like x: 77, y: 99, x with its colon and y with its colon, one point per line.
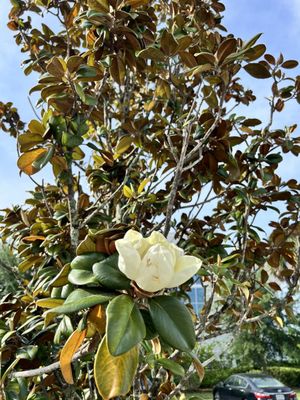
x: 217, y: 396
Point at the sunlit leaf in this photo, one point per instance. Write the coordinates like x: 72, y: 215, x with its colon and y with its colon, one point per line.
x: 25, y: 162
x: 127, y: 192
x: 49, y: 302
x: 71, y: 346
x: 114, y: 375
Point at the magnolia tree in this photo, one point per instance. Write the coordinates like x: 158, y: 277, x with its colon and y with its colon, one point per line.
x: 157, y: 185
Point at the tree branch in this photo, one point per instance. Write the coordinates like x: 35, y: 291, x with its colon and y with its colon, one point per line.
x: 49, y: 368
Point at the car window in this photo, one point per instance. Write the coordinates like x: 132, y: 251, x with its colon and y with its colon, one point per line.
x: 240, y: 382
x: 266, y: 381
x: 231, y: 381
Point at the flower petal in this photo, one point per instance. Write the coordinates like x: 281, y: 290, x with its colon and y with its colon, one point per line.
x: 156, y: 269
x: 133, y: 235
x: 137, y: 241
x: 185, y: 268
x: 129, y: 258
x: 157, y: 237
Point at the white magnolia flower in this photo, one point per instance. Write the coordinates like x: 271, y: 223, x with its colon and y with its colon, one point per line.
x: 154, y: 263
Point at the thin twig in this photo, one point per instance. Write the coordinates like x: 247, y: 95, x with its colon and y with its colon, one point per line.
x: 180, y: 165
x: 111, y: 197
x: 33, y: 109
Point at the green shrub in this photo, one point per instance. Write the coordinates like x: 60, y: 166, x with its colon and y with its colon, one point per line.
x: 213, y: 376
x: 9, y: 274
x: 290, y: 376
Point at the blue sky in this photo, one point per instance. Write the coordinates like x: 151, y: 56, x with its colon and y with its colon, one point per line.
x: 278, y: 20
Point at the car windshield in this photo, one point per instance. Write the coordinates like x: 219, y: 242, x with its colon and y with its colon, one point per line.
x: 266, y: 381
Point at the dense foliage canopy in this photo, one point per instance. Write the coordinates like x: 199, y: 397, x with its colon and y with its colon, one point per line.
x: 138, y: 118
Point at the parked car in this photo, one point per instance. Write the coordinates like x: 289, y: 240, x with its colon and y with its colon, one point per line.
x: 252, y: 387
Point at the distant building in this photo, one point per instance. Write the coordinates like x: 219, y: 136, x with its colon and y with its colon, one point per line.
x: 197, y: 296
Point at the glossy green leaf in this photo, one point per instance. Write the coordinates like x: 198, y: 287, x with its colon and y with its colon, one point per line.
x: 151, y: 332
x: 81, y: 277
x: 86, y: 261
x: 82, y: 298
x: 173, y: 322
x: 125, y: 325
x: 274, y: 158
x: 70, y: 140
x: 44, y: 159
x: 109, y: 275
x: 172, y: 366
x: 87, y: 73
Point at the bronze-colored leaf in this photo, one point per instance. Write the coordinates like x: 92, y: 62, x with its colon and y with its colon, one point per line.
x: 289, y: 64
x: 136, y: 3
x: 199, y: 368
x: 257, y: 70
x: 57, y: 67
x: 226, y: 48
x: 184, y: 42
x: 69, y: 19
x: 188, y: 59
x: 99, y: 5
x: 264, y: 276
x: 123, y: 144
x: 74, y: 63
x: 275, y: 286
x: 117, y: 70
x: 152, y: 53
x: 205, y: 58
x: 255, y: 52
x: 168, y: 43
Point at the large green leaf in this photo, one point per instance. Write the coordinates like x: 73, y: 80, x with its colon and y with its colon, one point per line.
x: 80, y: 299
x: 173, y: 322
x: 81, y: 277
x: 109, y: 275
x: 71, y: 140
x: 125, y: 325
x: 86, y: 261
x: 172, y: 366
x: 114, y: 375
x: 86, y: 73
x: 151, y: 332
